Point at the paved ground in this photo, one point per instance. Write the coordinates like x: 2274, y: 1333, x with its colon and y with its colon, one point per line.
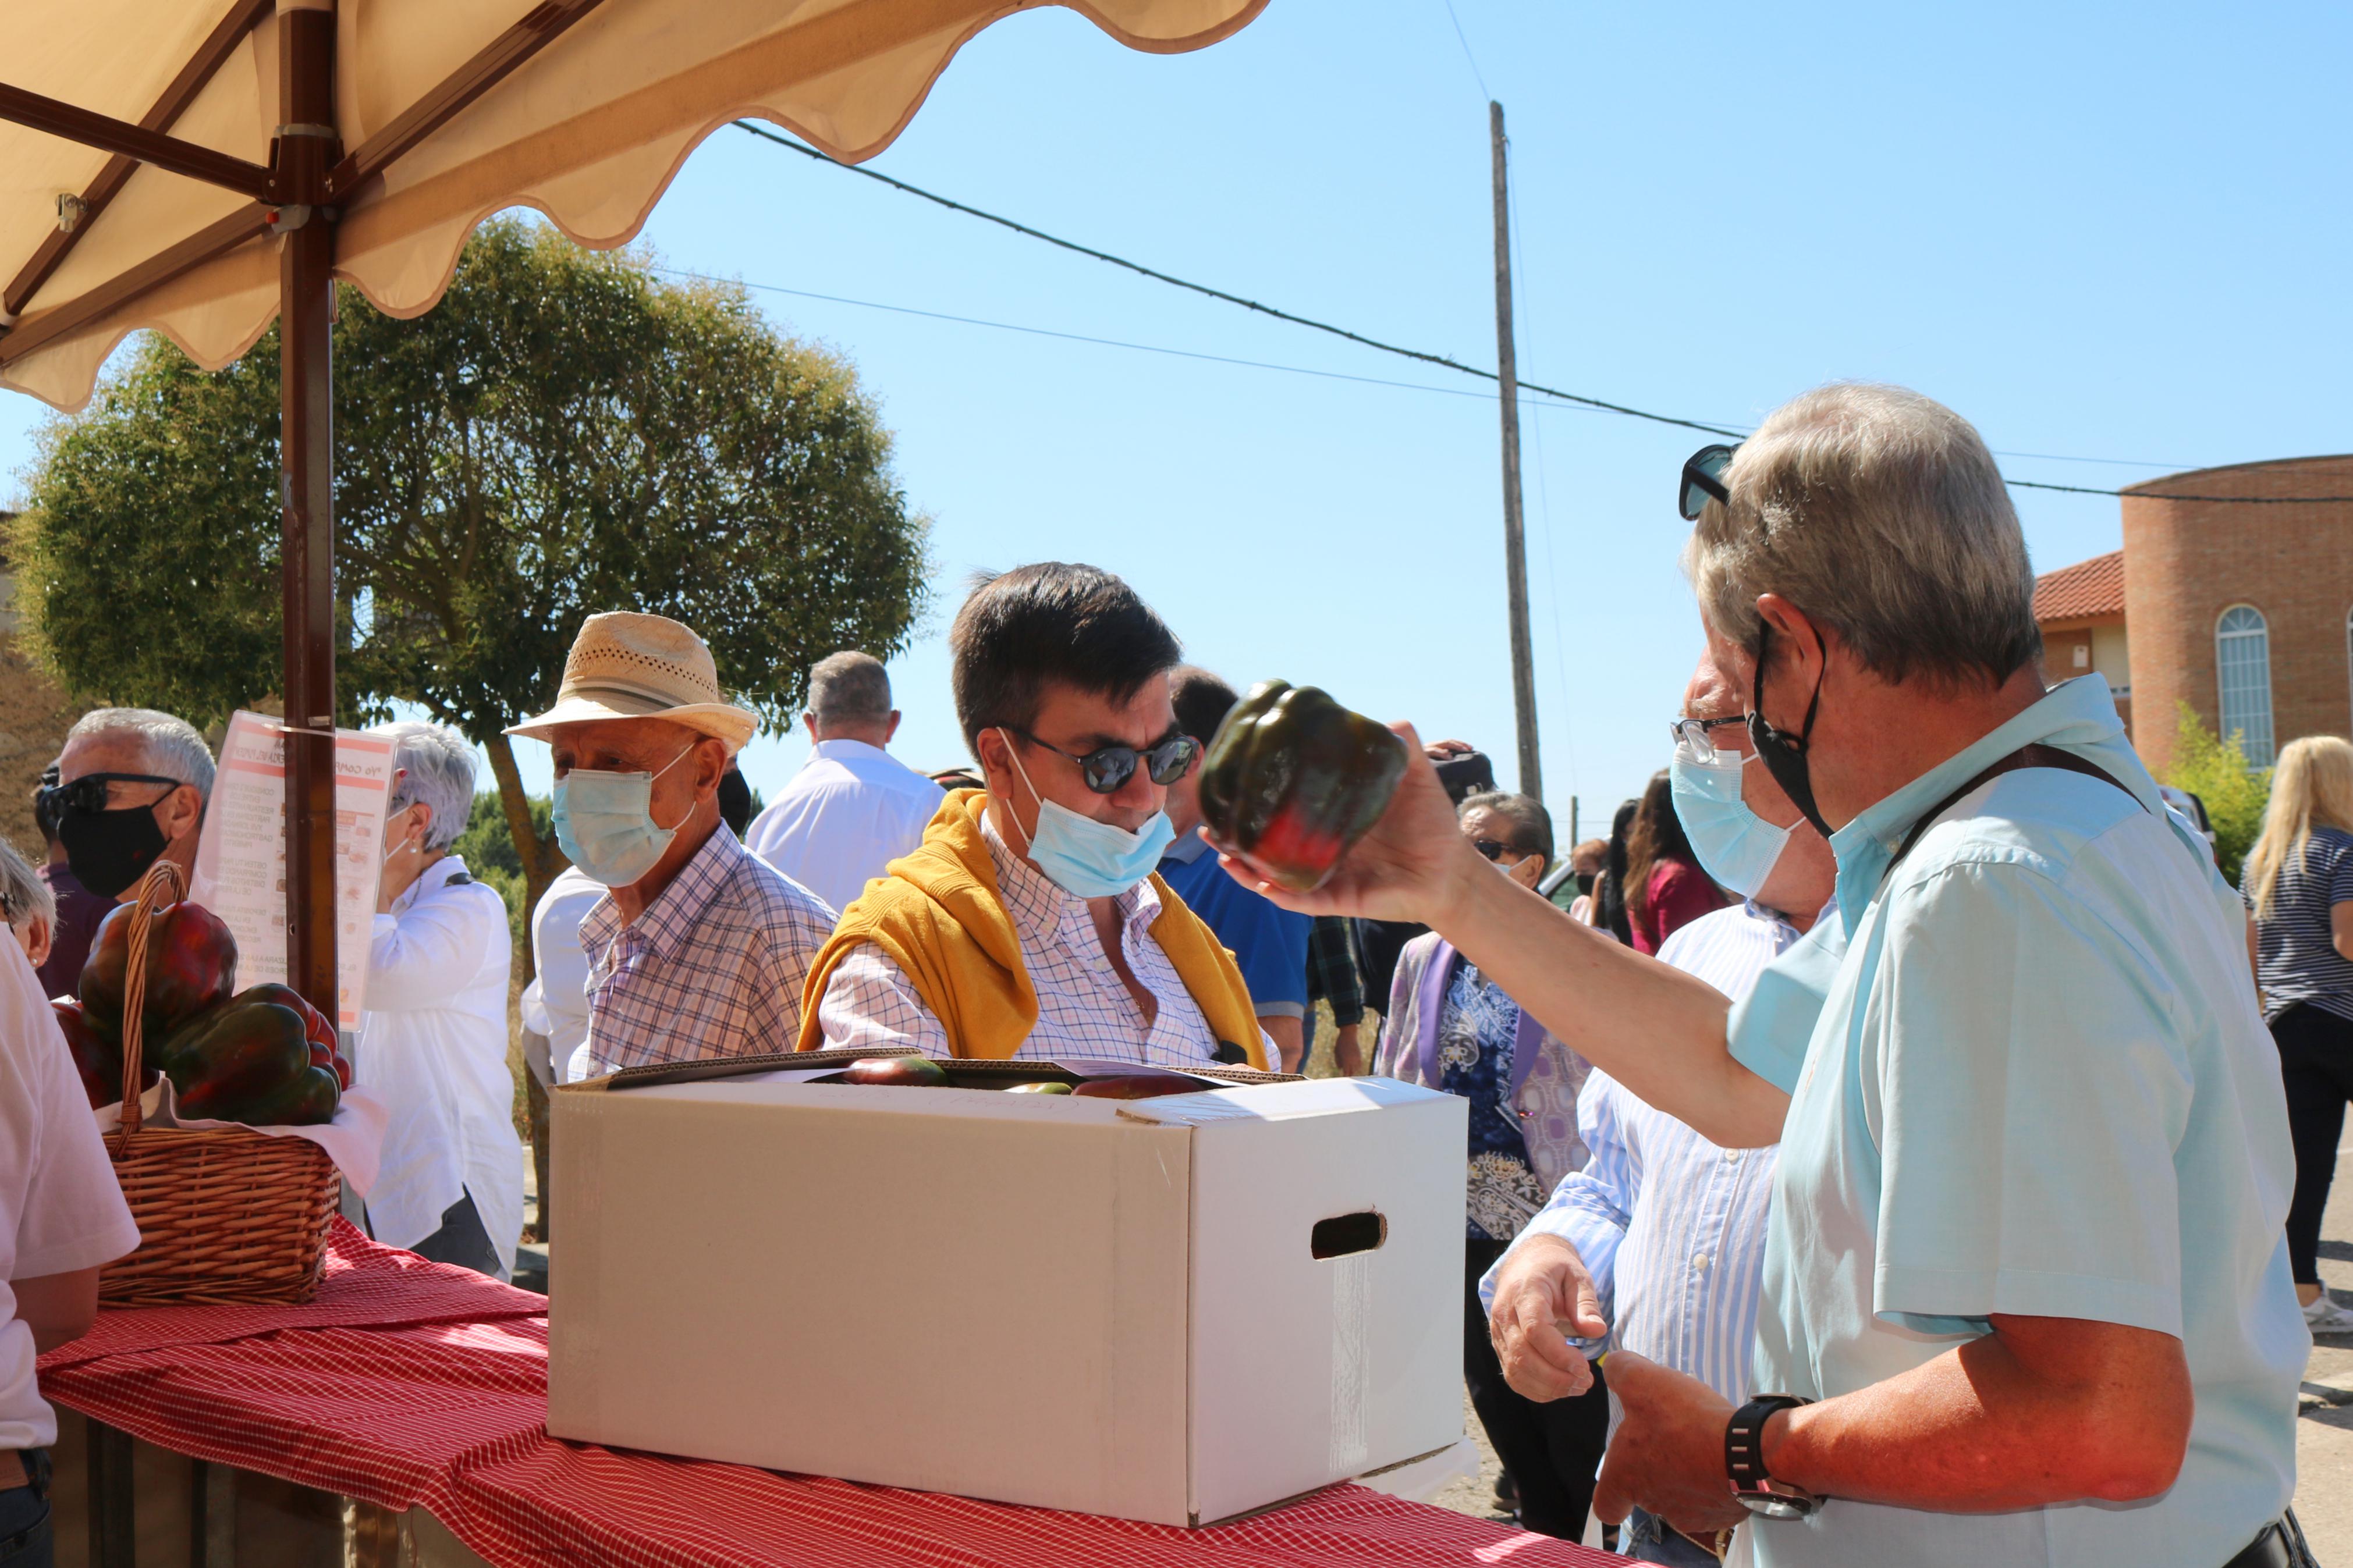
x: 2323, y: 1493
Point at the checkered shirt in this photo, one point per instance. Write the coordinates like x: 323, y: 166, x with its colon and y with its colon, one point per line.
x: 1084, y: 1010
x: 713, y: 967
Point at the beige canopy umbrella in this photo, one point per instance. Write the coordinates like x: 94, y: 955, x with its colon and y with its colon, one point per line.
x: 200, y: 168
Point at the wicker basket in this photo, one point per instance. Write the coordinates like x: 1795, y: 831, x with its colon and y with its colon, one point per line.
x: 224, y: 1216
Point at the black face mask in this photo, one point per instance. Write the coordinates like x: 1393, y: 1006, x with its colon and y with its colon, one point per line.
x: 1584, y: 881
x: 1784, y: 754
x: 108, y: 851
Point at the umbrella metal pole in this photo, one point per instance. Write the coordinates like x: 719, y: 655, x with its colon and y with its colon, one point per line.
x: 304, y: 150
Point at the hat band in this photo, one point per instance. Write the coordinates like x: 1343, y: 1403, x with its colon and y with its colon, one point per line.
x: 634, y: 693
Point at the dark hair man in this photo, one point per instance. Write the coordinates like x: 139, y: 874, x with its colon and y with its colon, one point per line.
x: 1029, y: 922
x: 1267, y: 940
x: 2025, y: 1250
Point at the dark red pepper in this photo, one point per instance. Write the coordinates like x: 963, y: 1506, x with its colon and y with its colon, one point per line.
x: 326, y: 1051
x: 191, y: 967
x: 250, y: 1060
x: 98, y: 1061
x: 1292, y: 779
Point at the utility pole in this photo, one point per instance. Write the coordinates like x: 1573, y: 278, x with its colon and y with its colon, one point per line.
x: 1515, y: 544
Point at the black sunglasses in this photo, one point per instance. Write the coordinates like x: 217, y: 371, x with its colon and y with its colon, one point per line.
x: 1105, y: 771
x: 1704, y: 481
x: 86, y: 795
x: 1492, y: 850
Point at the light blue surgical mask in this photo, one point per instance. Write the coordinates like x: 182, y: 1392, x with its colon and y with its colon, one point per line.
x: 1086, y: 858
x: 604, y: 823
x: 1735, y: 846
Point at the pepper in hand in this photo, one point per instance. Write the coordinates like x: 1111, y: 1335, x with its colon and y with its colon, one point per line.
x: 1292, y: 780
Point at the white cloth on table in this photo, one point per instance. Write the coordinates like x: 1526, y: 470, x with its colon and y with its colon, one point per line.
x: 556, y: 1003
x: 1084, y: 1010
x: 852, y: 810
x: 433, y: 1048
x: 61, y: 1210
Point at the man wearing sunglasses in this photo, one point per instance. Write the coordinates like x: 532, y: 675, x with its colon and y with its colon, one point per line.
x: 1029, y: 921
x: 132, y: 785
x: 2025, y: 1295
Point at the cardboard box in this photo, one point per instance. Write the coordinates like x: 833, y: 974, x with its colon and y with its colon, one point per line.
x: 1110, y: 1307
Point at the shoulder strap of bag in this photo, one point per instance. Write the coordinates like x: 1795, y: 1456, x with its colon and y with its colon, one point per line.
x: 2036, y: 755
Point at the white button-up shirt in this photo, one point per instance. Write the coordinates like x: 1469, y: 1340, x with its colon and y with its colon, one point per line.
x: 433, y: 1048
x: 852, y: 810
x: 1084, y: 1010
x: 555, y: 1004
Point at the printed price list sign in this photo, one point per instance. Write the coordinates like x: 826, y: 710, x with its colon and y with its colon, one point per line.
x: 241, y: 859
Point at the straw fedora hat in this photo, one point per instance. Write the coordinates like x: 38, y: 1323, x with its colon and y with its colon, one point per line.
x: 628, y: 665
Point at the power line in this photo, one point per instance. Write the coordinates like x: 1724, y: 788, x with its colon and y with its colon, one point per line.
x: 1476, y: 74
x: 1441, y: 360
x: 1160, y: 276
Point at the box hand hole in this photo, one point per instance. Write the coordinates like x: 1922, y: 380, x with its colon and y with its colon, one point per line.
x: 1348, y: 1232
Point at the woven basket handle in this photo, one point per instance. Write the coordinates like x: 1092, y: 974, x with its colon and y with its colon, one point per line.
x: 165, y: 884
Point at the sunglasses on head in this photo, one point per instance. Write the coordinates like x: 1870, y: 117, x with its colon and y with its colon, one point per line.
x: 1704, y: 481
x: 1108, y: 769
x: 86, y: 795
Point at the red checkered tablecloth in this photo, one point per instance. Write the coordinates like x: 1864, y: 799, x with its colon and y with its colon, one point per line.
x: 413, y: 1385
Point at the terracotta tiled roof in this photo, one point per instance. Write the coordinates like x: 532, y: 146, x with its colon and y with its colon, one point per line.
x: 2088, y: 588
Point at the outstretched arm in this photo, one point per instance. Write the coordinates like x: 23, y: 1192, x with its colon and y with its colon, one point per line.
x: 1656, y: 1030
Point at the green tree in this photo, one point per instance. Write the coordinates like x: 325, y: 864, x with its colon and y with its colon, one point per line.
x: 563, y: 432
x: 2216, y: 771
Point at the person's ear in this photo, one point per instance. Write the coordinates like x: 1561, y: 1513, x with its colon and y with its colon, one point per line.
x: 1529, y: 870
x: 709, y: 766
x: 181, y: 809
x: 808, y: 720
x: 891, y: 730
x: 1799, y: 640
x: 420, y: 823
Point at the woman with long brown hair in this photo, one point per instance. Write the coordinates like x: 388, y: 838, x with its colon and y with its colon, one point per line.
x: 1664, y: 887
x: 2299, y: 883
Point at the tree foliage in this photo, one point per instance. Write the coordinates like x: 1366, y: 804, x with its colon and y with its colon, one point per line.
x: 563, y: 432
x: 2215, y: 769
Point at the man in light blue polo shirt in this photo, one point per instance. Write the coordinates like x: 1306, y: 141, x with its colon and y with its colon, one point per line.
x: 2026, y: 1299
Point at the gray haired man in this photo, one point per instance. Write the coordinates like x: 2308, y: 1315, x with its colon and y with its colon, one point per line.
x: 853, y: 808
x: 2025, y: 1294
x: 131, y: 787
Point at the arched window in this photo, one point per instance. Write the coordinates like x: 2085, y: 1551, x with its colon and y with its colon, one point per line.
x: 2242, y: 666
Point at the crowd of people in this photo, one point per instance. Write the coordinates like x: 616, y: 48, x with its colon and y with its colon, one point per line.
x: 1886, y: 1102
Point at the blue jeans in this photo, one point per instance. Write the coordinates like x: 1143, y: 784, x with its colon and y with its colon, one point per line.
x: 25, y: 1539
x: 1647, y: 1538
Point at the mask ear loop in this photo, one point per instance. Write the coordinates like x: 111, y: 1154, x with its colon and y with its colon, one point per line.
x: 1013, y: 755
x: 665, y: 768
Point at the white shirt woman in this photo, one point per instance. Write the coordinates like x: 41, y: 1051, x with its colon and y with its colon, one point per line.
x: 433, y: 1042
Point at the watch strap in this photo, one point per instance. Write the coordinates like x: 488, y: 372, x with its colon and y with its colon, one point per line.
x: 1743, y: 1441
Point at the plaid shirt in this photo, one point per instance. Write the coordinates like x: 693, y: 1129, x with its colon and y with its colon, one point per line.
x: 712, y: 968
x: 1084, y: 1010
x: 1332, y: 968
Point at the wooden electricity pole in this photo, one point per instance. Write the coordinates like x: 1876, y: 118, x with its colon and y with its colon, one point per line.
x: 1515, y: 545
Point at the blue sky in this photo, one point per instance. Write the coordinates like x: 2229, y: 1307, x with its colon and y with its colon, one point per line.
x: 2098, y: 231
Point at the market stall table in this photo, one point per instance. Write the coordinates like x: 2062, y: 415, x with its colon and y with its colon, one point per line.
x: 411, y: 1385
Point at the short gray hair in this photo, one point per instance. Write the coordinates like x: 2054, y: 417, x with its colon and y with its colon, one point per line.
x: 849, y: 686
x: 1530, y: 823
x: 1879, y: 513
x: 439, y: 770
x: 171, y: 747
x: 24, y: 897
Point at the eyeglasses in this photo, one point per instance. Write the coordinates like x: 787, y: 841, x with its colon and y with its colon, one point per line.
x: 88, y: 793
x: 1694, y: 734
x: 1492, y: 850
x: 1108, y: 769
x: 1704, y: 481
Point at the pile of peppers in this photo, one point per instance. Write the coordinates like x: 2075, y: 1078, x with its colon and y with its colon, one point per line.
x: 1293, y: 779
x: 264, y: 1056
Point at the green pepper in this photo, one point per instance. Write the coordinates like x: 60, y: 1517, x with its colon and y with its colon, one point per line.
x: 1293, y: 779
x: 250, y: 1060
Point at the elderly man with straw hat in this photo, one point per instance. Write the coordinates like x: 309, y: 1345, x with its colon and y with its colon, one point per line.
x: 697, y: 948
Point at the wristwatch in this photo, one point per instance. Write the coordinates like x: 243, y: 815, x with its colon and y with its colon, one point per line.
x: 1744, y: 1462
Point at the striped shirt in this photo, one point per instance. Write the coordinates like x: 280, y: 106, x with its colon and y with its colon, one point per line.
x: 2297, y: 959
x: 1084, y: 1010
x: 712, y: 967
x: 1672, y: 1226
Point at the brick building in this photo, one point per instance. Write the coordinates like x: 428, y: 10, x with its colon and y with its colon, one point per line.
x: 2242, y: 610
